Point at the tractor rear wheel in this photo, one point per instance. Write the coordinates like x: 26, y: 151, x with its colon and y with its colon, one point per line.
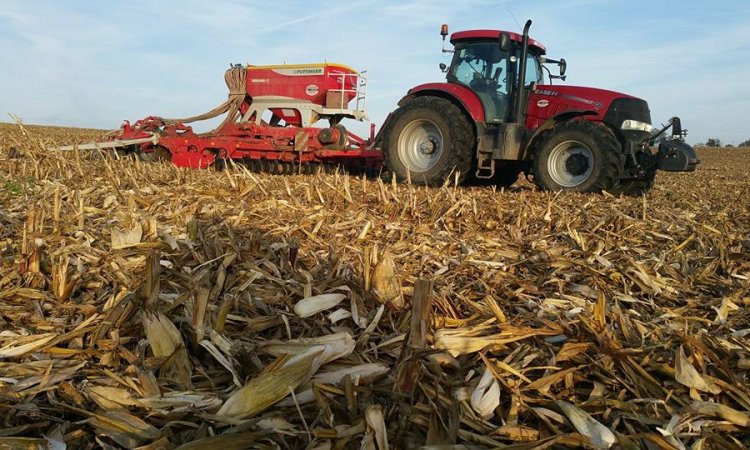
x: 578, y: 156
x: 428, y: 140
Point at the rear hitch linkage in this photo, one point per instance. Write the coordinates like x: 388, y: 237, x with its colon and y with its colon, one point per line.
x: 675, y: 155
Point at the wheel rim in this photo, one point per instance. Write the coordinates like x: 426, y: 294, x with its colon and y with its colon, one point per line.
x: 570, y: 163
x: 420, y: 145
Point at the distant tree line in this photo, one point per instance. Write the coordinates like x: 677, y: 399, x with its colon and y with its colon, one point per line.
x: 716, y: 142
x: 711, y: 142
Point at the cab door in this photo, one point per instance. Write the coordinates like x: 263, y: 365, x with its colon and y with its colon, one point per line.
x: 483, y: 68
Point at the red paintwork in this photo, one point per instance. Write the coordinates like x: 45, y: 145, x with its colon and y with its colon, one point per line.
x: 560, y: 98
x: 248, y: 140
x: 304, y: 83
x: 293, y: 81
x: 495, y: 34
x: 464, y: 95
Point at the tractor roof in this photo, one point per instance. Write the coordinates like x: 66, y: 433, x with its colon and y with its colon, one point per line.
x: 493, y: 34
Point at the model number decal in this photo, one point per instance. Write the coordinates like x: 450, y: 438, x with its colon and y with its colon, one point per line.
x: 595, y: 104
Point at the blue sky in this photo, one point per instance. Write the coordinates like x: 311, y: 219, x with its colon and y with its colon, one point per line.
x: 94, y: 63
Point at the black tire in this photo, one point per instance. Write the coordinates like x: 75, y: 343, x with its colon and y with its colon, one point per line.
x: 577, y: 156
x: 428, y: 140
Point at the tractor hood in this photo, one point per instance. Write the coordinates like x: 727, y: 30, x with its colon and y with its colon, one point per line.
x: 579, y: 96
x: 602, y: 105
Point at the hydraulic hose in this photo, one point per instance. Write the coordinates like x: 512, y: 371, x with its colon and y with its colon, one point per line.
x: 235, y: 80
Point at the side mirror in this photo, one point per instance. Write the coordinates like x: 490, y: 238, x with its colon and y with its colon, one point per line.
x: 443, y: 67
x: 504, y: 42
x: 563, y: 67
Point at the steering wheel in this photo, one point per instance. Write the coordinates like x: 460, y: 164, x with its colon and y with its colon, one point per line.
x: 481, y: 84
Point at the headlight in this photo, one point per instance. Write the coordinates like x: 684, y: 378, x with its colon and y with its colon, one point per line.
x: 634, y: 125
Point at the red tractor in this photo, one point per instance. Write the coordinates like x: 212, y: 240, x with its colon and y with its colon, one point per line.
x: 494, y: 118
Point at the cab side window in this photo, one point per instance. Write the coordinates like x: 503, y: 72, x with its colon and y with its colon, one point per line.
x: 533, y: 73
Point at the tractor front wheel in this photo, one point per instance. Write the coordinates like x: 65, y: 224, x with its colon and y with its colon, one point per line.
x: 578, y: 156
x: 428, y: 140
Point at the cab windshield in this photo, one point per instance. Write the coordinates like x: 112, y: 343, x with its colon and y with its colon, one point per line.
x: 484, y: 68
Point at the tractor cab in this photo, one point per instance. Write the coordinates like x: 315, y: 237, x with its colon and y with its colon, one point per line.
x: 488, y: 66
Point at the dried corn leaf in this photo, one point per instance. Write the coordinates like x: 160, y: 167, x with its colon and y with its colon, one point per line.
x: 112, y: 397
x: 457, y: 343
x: 238, y: 441
x: 181, y: 401
x: 337, y: 345
x: 126, y: 238
x: 32, y: 343
x: 600, y: 436
x: 376, y: 424
x: 486, y: 396
x: 166, y: 342
x: 123, y: 428
x: 385, y: 283
x: 267, y: 389
x: 686, y: 374
x: 20, y: 443
x: 360, y: 373
x: 738, y: 418
x: 312, y: 305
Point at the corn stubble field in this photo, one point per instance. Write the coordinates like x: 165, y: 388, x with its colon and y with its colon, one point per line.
x: 145, y: 306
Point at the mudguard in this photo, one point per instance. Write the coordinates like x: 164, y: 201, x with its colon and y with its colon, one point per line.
x: 464, y: 96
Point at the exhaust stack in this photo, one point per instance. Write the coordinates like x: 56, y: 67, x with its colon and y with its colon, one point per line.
x: 520, y: 107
